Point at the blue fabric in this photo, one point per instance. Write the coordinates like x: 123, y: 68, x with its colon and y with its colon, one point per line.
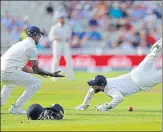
x: 116, y: 13
x: 94, y: 35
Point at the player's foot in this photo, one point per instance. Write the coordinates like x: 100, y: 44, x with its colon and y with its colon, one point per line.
x: 156, y: 49
x: 17, y: 110
x: 157, y: 45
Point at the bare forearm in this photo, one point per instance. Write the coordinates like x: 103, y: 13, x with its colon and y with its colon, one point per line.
x: 27, y: 69
x: 40, y: 71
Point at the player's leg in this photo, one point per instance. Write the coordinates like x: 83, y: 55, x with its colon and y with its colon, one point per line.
x: 56, y: 56
x: 157, y: 78
x: 152, y: 56
x: 31, y: 85
x: 154, y: 78
x: 156, y: 50
x: 5, y: 93
x: 69, y: 65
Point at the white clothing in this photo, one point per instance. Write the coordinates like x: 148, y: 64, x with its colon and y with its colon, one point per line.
x: 18, y: 55
x: 144, y: 77
x: 61, y: 47
x: 12, y: 62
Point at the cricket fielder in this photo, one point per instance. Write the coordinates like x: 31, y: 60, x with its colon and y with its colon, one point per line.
x: 142, y: 78
x: 15, y: 72
x: 60, y: 34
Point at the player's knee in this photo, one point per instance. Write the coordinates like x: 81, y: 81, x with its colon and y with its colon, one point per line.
x: 36, y: 84
x: 121, y: 98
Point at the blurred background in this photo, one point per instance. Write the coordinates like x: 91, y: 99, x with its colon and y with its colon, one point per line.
x: 106, y: 35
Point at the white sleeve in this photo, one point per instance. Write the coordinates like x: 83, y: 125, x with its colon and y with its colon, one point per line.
x: 117, y: 98
x: 32, y: 53
x: 51, y: 34
x: 88, y: 96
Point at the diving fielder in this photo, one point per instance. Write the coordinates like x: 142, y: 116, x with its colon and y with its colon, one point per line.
x: 15, y: 72
x: 144, y: 77
x: 60, y: 34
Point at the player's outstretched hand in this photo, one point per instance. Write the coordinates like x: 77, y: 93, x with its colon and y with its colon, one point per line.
x: 44, y: 76
x: 55, y: 74
x: 81, y: 107
x: 100, y: 108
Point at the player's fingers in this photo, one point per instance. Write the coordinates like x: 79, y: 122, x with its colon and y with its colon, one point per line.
x: 57, y: 72
x: 96, y: 106
x: 44, y: 76
x: 60, y: 75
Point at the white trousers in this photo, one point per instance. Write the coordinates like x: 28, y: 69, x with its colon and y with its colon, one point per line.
x: 58, y: 50
x: 18, y: 77
x: 145, y: 74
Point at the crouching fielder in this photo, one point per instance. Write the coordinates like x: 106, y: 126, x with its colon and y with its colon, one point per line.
x: 144, y: 77
x: 15, y: 72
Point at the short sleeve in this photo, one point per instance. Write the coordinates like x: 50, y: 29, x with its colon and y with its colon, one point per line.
x: 32, y: 53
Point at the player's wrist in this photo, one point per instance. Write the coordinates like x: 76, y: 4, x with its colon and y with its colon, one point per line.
x: 51, y: 74
x: 85, y: 105
x: 108, y: 105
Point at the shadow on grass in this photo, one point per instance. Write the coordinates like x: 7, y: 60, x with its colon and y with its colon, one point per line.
x: 116, y: 114
x: 122, y: 110
x: 5, y: 113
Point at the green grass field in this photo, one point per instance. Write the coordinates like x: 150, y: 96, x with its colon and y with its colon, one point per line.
x: 147, y: 114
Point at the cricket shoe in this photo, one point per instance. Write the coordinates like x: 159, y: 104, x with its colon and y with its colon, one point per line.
x: 156, y: 49
x: 17, y: 110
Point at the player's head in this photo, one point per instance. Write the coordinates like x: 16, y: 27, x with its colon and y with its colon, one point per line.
x: 35, y: 112
x: 61, y: 19
x: 35, y: 33
x: 55, y: 111
x: 98, y: 83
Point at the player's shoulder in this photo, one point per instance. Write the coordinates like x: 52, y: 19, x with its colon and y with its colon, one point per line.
x: 54, y: 26
x: 28, y: 43
x: 31, y: 51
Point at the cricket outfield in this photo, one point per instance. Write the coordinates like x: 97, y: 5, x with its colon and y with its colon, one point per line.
x: 147, y: 113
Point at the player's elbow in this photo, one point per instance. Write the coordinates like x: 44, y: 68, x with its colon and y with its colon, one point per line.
x: 121, y: 98
x: 35, y: 69
x: 50, y: 37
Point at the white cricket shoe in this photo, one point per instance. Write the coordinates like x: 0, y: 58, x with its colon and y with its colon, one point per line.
x: 156, y: 49
x: 17, y: 110
x: 81, y: 107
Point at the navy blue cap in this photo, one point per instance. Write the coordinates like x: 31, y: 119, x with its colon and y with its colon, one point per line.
x: 99, y: 80
x: 33, y: 30
x: 34, y: 111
